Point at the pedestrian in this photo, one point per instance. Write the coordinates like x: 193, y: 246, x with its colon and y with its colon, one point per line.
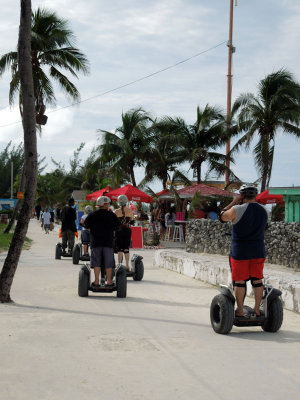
x: 247, y: 254
x: 38, y: 210
x: 102, y: 224
x: 46, y: 220
x: 123, y: 235
x: 68, y: 227
x: 85, y: 234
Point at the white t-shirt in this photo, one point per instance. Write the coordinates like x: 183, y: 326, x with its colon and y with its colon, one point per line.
x: 82, y: 221
x: 46, y: 218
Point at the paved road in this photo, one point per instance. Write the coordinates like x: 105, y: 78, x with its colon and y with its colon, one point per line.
x: 156, y: 344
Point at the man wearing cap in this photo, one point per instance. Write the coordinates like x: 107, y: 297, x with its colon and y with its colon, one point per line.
x: 247, y: 254
x: 102, y: 224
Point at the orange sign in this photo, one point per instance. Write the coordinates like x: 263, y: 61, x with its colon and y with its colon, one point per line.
x: 20, y: 195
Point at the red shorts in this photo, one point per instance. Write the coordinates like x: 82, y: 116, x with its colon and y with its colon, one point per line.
x: 242, y: 270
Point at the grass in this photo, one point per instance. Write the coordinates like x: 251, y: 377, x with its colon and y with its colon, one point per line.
x: 5, y: 239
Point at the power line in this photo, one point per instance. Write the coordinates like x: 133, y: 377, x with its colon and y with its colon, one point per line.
x: 129, y: 83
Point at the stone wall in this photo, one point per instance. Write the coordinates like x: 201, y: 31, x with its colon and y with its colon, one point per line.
x: 282, y: 240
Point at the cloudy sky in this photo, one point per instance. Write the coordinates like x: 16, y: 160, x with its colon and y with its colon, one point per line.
x: 126, y: 40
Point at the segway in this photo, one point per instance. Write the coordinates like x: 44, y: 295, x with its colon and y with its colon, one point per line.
x: 78, y: 255
x: 119, y: 282
x: 222, y: 314
x: 59, y: 253
x: 137, y: 268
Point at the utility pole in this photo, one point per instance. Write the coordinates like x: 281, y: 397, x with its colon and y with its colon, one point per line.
x: 231, y: 50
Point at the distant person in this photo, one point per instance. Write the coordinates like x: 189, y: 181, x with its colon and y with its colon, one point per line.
x: 68, y: 227
x: 38, y: 210
x: 123, y: 235
x: 85, y: 233
x: 58, y: 214
x: 247, y: 254
x: 170, y: 217
x: 102, y: 223
x: 46, y: 220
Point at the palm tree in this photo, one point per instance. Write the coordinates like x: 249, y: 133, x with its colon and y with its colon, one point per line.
x: 276, y: 107
x: 162, y: 154
x: 124, y: 149
x: 198, y: 142
x: 51, y: 51
x: 30, y: 153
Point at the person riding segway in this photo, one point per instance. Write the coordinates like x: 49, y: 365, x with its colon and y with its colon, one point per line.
x: 247, y: 256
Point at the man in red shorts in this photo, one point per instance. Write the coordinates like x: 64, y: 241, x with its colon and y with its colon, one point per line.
x: 247, y: 254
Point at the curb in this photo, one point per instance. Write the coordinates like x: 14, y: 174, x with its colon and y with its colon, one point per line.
x: 214, y: 269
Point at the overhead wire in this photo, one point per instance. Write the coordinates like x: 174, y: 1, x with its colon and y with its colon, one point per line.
x: 127, y: 84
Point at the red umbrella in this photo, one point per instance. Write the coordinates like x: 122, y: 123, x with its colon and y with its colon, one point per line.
x: 266, y: 198
x: 94, y: 196
x: 133, y: 194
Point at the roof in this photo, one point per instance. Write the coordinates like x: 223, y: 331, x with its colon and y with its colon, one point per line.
x: 190, y: 191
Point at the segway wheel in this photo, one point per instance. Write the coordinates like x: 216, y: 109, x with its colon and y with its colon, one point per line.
x: 139, y: 271
x: 58, y: 251
x: 221, y: 314
x: 83, y: 284
x: 121, y: 282
x: 76, y: 254
x: 275, y: 316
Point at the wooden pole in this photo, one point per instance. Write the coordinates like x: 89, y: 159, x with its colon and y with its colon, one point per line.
x: 229, y: 86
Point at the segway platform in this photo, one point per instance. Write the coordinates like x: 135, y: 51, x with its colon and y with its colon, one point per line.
x: 249, y: 319
x: 222, y: 315
x: 137, y: 268
x: 78, y: 254
x: 59, y: 253
x: 119, y: 280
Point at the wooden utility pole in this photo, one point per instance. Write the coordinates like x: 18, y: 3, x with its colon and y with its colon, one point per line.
x: 231, y: 50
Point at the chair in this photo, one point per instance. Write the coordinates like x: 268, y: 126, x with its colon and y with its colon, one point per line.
x: 169, y: 231
x: 178, y: 233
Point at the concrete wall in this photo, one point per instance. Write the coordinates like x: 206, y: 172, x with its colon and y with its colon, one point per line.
x: 282, y: 240
x: 214, y: 269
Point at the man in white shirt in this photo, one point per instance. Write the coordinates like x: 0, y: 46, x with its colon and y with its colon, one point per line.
x: 46, y: 220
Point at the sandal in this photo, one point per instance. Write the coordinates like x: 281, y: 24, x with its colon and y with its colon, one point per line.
x: 110, y: 285
x: 95, y: 285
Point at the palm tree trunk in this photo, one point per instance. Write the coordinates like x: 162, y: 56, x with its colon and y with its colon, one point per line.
x: 132, y: 177
x: 198, y: 169
x: 30, y: 152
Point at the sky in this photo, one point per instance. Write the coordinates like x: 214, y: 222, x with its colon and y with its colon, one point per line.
x: 126, y: 40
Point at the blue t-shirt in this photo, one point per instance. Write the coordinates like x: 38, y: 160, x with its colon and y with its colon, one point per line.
x: 248, y: 231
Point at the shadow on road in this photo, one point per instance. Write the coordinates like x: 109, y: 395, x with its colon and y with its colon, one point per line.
x: 279, y: 337
x: 94, y: 314
x: 163, y: 283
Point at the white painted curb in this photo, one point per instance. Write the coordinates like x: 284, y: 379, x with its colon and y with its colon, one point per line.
x: 214, y: 269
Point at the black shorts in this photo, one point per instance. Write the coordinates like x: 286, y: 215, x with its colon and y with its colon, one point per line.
x: 102, y: 257
x: 123, y: 238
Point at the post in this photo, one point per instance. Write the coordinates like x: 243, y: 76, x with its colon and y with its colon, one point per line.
x: 11, y: 179
x: 231, y: 50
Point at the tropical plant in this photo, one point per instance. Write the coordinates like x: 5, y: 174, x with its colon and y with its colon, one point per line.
x: 52, y: 44
x: 161, y: 155
x: 124, y: 149
x: 10, y: 155
x: 275, y: 108
x: 30, y: 152
x: 197, y: 143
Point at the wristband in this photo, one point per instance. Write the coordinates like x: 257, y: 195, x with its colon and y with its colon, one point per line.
x: 220, y: 216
